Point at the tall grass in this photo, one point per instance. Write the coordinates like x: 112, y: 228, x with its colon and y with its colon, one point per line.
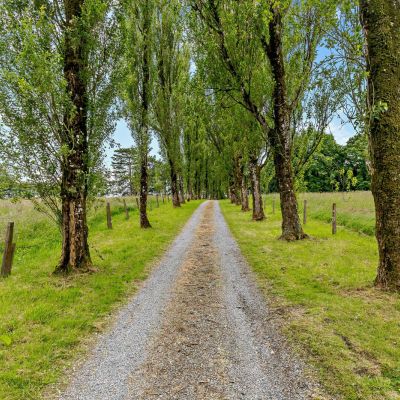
x: 355, y: 210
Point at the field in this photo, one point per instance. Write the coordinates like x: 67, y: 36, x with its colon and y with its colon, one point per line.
x: 323, y: 287
x: 45, y: 320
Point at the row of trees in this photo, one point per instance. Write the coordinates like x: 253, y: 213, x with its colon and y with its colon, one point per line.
x: 238, y: 94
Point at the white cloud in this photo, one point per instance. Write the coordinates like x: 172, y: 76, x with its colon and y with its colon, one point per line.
x: 341, y: 131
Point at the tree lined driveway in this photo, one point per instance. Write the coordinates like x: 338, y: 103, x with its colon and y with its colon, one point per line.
x: 198, y: 329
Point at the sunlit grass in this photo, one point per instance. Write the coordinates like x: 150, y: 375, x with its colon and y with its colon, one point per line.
x: 48, y: 318
x: 348, y: 330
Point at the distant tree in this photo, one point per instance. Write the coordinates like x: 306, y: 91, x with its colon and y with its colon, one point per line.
x: 357, y: 158
x: 335, y: 167
x: 124, y: 170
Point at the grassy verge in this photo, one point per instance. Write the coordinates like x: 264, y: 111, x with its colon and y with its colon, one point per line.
x: 355, y: 210
x: 45, y: 320
x: 349, y: 331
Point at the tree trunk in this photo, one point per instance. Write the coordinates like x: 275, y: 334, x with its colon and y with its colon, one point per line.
x: 144, y: 221
x: 245, y: 196
x: 174, y: 184
x: 143, y: 138
x: 237, y: 180
x: 181, y: 191
x: 75, y: 169
x: 255, y: 174
x: 279, y: 137
x: 232, y: 195
x: 381, y: 23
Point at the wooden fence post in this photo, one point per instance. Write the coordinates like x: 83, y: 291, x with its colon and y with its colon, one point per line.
x: 109, y: 222
x: 158, y: 204
x: 9, y: 250
x: 163, y: 198
x: 126, y: 210
x: 305, y: 212
x: 137, y: 202
x: 273, y: 206
x: 334, y: 219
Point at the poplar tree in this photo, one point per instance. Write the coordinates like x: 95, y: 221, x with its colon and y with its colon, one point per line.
x: 172, y: 59
x: 138, y: 85
x: 56, y: 62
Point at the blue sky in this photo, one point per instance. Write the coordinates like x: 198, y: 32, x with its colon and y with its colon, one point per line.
x: 123, y: 138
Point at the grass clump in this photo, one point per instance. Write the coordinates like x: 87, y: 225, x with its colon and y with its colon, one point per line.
x: 46, y: 319
x: 348, y: 330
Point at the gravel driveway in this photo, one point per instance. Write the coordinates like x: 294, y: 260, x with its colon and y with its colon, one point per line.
x: 198, y: 329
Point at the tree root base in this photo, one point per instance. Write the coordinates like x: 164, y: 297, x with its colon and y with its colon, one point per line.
x: 291, y: 237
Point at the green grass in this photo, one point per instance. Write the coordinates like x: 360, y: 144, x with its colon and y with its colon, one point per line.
x: 48, y: 319
x: 348, y: 331
x: 355, y: 210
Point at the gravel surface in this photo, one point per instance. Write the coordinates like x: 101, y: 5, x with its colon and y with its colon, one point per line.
x: 199, y: 329
x: 119, y: 352
x: 264, y: 367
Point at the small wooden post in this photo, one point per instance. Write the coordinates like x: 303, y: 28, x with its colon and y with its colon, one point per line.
x: 9, y: 249
x: 334, y: 219
x: 126, y: 210
x: 163, y: 199
x: 305, y: 212
x: 137, y: 202
x: 109, y: 222
x: 273, y: 206
x: 158, y: 204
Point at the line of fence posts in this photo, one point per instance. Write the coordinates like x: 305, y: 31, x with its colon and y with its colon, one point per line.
x: 9, y: 246
x: 305, y: 204
x: 9, y: 250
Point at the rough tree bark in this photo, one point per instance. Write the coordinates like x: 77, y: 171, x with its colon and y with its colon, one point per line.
x: 144, y: 220
x: 181, y: 190
x: 255, y: 176
x: 237, y: 181
x: 381, y: 23
x: 244, y: 195
x: 174, y: 184
x: 279, y: 136
x: 75, y: 164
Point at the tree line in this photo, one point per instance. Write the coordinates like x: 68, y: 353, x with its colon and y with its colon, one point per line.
x: 240, y: 95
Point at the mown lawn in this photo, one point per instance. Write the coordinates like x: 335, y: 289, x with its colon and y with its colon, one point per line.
x: 349, y: 331
x: 46, y: 320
